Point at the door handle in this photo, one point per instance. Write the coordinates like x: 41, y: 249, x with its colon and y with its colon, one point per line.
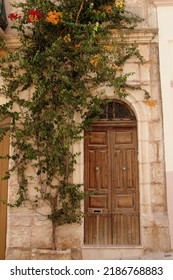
x: 97, y: 168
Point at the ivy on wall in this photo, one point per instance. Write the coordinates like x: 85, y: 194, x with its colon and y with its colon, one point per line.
x: 68, y: 49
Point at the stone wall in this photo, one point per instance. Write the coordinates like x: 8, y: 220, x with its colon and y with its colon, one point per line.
x: 29, y: 234
x: 152, y: 186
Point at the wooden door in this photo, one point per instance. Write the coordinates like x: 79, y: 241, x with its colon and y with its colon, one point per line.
x: 4, y: 149
x: 111, y: 174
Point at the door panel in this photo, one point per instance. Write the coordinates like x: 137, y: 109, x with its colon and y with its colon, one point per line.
x: 98, y: 229
x: 126, y: 229
x: 112, y: 211
x: 98, y: 168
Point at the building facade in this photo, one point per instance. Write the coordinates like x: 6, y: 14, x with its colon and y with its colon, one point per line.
x: 124, y: 219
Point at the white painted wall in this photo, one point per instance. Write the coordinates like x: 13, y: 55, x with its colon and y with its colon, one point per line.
x: 165, y: 25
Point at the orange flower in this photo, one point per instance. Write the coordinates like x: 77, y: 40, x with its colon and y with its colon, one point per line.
x: 67, y: 38
x: 108, y: 9
x: 3, y: 53
x: 94, y: 62
x: 77, y: 45
x: 54, y: 17
x: 116, y: 67
x: 114, y: 30
x: 108, y: 48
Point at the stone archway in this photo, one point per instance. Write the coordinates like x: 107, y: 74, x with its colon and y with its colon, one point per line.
x: 111, y: 173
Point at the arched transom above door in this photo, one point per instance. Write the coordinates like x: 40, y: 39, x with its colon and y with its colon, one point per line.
x: 115, y: 110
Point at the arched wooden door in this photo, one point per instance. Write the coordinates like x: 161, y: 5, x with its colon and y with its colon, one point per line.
x: 4, y: 150
x: 111, y: 174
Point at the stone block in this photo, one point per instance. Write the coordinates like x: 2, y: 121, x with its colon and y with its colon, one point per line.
x: 144, y: 51
x: 18, y: 254
x: 19, y: 237
x: 145, y: 72
x: 41, y: 220
x: 158, y: 198
x: 132, y: 68
x: 153, y: 152
x: 154, y: 52
x: 156, y: 94
x: 156, y: 152
x: 22, y: 211
x: 144, y: 173
x: 145, y: 194
x: 145, y: 209
x: 20, y: 221
x: 159, y: 208
x: 41, y: 237
x: 147, y: 221
x: 12, y: 189
x: 143, y: 130
x: 143, y: 152
x: 147, y: 238
x: 156, y: 132
x: 38, y: 254
x: 155, y: 112
x: 164, y: 239
x: 42, y: 212
x: 136, y: 98
x: 69, y: 236
x: 152, y: 17
x: 156, y: 238
x: 145, y: 86
x: 154, y: 70
x: 140, y: 9
x: 161, y: 220
x: 76, y: 254
x: 157, y: 173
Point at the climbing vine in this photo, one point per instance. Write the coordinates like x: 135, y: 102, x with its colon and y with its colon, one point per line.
x: 68, y: 49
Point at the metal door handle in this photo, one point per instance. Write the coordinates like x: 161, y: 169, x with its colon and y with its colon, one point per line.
x: 97, y: 168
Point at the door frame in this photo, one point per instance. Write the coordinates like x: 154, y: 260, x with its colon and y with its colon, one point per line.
x: 121, y: 123
x: 4, y: 149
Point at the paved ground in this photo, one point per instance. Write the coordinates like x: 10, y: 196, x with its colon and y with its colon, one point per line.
x: 159, y: 256
x: 156, y: 256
